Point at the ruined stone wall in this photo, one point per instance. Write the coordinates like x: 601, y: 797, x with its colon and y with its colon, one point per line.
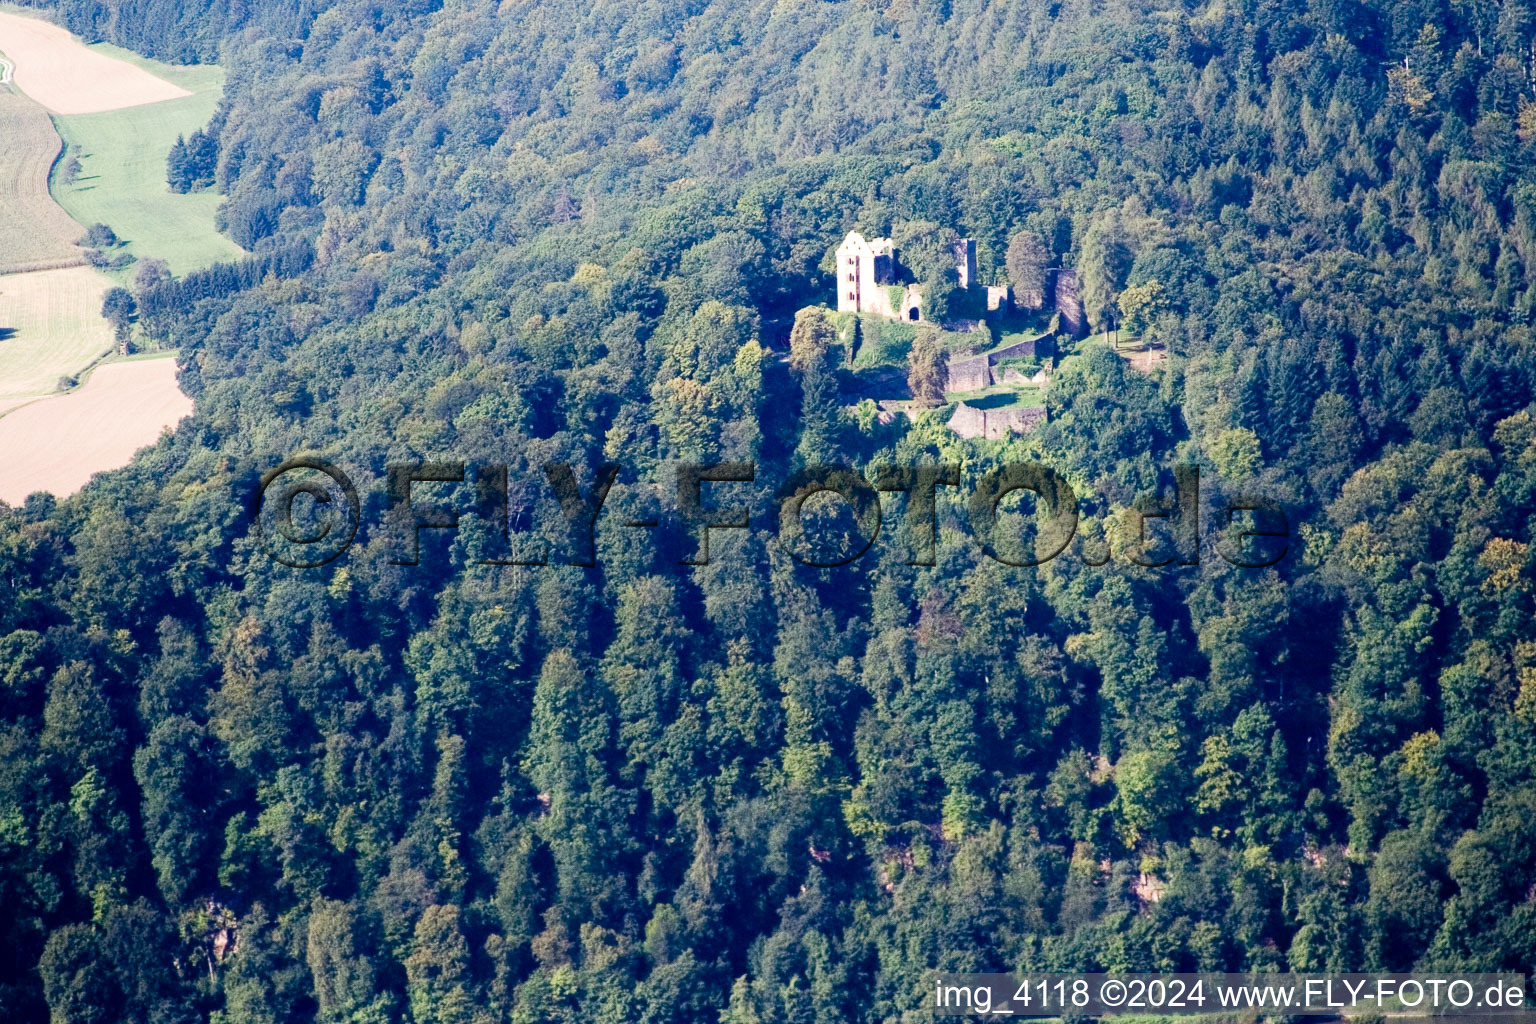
x: 993, y: 424
x: 965, y: 262
x: 877, y: 300
x: 971, y: 373
x: 1018, y: 350
x: 1069, y: 304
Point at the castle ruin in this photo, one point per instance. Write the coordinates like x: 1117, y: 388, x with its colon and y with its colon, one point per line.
x: 866, y: 278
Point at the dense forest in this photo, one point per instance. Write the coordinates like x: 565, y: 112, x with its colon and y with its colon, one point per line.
x: 754, y: 792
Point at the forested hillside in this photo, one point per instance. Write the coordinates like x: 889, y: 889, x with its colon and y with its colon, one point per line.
x: 753, y: 791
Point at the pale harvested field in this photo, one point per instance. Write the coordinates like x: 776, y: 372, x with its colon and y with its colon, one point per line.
x: 67, y: 77
x: 35, y: 232
x: 50, y: 326
x: 58, y: 444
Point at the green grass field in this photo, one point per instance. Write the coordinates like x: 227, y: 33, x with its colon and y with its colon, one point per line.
x: 881, y: 342
x: 1001, y: 396
x: 50, y: 327
x: 122, y: 178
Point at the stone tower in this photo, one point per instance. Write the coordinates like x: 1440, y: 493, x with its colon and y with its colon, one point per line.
x: 1069, y: 304
x: 965, y: 262
x: 864, y: 269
